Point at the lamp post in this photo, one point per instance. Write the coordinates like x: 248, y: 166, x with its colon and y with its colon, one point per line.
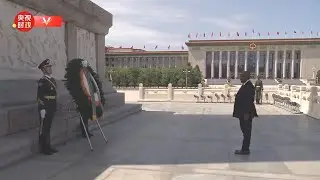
x: 110, y: 74
x: 314, y: 73
x: 186, y: 71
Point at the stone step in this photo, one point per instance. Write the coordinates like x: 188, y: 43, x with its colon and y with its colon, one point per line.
x: 14, y: 148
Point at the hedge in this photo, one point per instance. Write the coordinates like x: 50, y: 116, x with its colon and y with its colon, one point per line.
x: 154, y: 77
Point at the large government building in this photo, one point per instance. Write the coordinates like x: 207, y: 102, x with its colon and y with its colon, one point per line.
x: 129, y: 57
x: 222, y: 59
x: 269, y: 58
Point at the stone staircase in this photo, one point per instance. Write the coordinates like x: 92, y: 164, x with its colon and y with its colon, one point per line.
x: 19, y: 123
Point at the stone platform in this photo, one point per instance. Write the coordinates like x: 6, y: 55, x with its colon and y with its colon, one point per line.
x: 82, y: 35
x: 184, y: 141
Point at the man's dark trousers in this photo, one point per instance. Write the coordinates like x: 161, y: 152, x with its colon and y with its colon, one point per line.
x: 45, y: 129
x: 246, y: 128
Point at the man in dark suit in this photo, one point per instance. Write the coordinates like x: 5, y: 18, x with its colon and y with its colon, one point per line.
x: 245, y: 111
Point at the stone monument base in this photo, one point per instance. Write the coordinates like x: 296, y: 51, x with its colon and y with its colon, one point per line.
x: 19, y: 118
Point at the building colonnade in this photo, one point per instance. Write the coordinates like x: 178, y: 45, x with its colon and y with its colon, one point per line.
x: 170, y: 61
x: 269, y: 64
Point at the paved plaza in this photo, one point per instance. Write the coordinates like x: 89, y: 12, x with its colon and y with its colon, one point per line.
x: 186, y: 141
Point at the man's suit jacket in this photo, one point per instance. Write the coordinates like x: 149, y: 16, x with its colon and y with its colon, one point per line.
x: 244, y: 101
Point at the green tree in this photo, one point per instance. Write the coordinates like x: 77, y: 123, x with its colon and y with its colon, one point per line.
x: 196, y: 77
x: 133, y: 76
x: 124, y: 77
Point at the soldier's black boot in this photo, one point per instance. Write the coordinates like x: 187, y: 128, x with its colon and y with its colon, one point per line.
x: 53, y: 150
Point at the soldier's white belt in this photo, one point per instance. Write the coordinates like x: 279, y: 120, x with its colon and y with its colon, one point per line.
x: 50, y: 97
x: 257, y: 86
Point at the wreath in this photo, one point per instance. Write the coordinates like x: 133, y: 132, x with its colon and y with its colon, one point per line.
x: 85, y: 87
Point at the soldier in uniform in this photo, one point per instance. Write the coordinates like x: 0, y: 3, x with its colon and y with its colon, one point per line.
x: 47, y: 105
x: 259, y: 88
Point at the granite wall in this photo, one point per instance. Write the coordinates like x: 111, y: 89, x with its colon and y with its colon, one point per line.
x: 81, y: 36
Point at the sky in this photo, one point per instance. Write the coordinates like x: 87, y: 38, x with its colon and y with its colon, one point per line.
x: 164, y: 23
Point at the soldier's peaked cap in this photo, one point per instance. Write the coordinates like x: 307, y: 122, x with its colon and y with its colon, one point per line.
x: 45, y: 63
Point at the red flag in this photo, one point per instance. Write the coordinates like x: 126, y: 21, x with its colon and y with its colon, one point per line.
x: 189, y: 35
x: 238, y: 34
x: 245, y: 33
x: 212, y: 34
x: 278, y: 33
x: 220, y: 34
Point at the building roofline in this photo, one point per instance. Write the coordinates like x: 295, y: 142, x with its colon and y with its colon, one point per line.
x: 283, y: 41
x: 147, y: 52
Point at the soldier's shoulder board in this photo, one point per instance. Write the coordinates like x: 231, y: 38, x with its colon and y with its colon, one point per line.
x: 41, y: 82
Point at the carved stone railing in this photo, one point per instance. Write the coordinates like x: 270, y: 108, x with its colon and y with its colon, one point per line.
x: 303, y: 99
x: 219, y: 94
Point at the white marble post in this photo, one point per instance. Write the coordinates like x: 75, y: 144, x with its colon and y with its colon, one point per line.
x: 267, y: 64
x: 257, y: 63
x: 236, y: 66
x: 212, y: 64
x: 284, y: 64
x: 228, y: 64
x: 292, y: 64
x: 220, y: 64
x: 246, y: 60
x: 275, y: 63
x: 71, y: 41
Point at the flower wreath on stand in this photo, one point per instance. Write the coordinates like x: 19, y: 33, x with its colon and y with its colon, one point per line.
x: 85, y: 87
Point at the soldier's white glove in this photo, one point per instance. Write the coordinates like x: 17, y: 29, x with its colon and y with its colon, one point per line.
x: 42, y: 113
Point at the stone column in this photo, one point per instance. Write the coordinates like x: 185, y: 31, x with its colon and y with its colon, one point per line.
x: 246, y: 60
x: 100, y: 55
x: 257, y: 63
x: 170, y: 92
x: 220, y: 64
x: 228, y: 64
x: 267, y: 63
x: 275, y: 63
x: 212, y: 64
x: 284, y: 64
x: 200, y: 90
x: 71, y: 41
x: 141, y: 92
x: 236, y: 66
x: 292, y: 64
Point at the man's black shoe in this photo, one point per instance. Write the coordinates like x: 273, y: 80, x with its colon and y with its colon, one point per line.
x: 53, y: 150
x: 46, y: 153
x: 241, y: 152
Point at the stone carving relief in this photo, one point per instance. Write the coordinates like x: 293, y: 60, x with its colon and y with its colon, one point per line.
x: 20, y: 53
x: 87, y: 46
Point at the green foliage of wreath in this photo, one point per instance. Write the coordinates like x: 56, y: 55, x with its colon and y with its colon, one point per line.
x: 73, y: 85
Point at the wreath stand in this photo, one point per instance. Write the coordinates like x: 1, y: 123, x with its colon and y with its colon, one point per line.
x: 69, y: 109
x: 87, y: 135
